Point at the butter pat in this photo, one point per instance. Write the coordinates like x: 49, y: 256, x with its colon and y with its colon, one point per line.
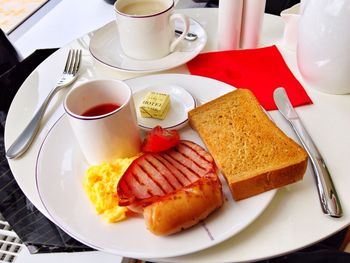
x: 155, y: 105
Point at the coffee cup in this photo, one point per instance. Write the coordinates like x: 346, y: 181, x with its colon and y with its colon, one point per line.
x: 146, y: 28
x: 103, y: 118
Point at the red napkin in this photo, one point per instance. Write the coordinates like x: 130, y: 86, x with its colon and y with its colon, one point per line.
x: 261, y: 70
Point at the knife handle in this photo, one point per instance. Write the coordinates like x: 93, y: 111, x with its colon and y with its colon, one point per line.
x: 330, y: 202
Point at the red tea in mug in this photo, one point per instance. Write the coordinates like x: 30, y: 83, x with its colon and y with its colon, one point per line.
x: 100, y: 110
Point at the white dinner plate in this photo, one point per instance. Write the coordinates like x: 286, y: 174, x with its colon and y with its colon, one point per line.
x: 105, y: 48
x: 60, y: 169
x: 181, y: 102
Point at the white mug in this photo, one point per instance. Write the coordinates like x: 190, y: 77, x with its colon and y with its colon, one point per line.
x: 146, y: 27
x: 103, y: 118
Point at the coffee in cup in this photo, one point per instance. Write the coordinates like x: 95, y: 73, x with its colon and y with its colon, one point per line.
x: 143, y: 8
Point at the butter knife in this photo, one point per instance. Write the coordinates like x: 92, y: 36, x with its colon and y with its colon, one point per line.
x: 329, y: 199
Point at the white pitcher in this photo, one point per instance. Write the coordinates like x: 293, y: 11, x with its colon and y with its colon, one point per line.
x: 323, y: 49
x: 291, y: 18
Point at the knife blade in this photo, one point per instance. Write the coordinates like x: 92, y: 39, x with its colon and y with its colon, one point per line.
x: 327, y: 193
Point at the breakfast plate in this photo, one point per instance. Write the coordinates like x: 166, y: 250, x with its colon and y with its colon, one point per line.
x: 105, y: 48
x: 60, y: 169
x: 181, y: 102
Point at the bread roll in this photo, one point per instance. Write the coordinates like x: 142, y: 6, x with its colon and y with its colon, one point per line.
x: 184, y: 208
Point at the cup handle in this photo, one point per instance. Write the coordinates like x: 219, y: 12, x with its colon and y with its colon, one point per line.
x: 186, y: 22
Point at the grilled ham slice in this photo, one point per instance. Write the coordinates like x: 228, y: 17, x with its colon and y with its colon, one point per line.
x: 154, y: 175
x: 174, y: 189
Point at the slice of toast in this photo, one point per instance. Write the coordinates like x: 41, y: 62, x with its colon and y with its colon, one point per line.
x: 253, y: 154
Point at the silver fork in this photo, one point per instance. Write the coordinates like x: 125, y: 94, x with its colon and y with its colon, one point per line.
x: 25, y: 139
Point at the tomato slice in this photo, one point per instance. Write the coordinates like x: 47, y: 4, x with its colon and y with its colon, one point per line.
x: 159, y: 139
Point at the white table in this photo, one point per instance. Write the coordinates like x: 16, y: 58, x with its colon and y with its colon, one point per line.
x: 294, y: 219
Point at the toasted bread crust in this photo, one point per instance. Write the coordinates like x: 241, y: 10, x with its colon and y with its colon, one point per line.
x: 252, y: 153
x: 268, y: 181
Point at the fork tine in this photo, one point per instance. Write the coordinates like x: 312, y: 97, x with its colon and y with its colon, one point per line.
x: 77, y: 61
x: 69, y: 57
x: 71, y: 66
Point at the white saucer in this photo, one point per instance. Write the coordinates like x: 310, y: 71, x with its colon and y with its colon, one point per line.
x: 181, y: 102
x: 105, y: 48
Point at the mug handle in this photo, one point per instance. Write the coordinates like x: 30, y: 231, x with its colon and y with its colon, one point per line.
x: 186, y: 22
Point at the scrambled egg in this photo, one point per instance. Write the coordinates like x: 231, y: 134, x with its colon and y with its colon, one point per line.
x: 100, y: 184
